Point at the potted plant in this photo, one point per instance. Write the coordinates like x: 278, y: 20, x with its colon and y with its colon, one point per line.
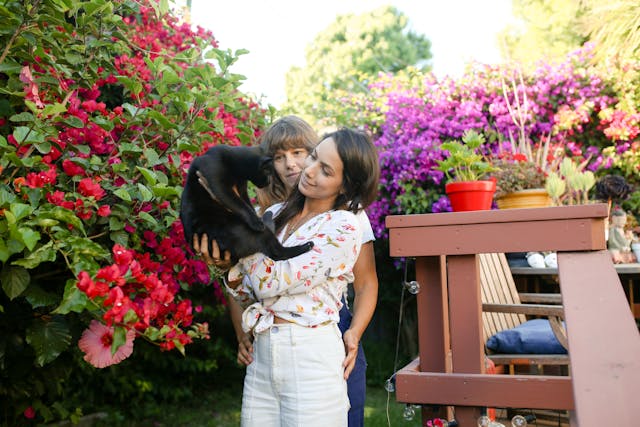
x: 466, y: 170
x: 570, y: 185
x: 520, y: 183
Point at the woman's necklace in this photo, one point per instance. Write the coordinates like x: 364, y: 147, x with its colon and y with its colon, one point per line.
x: 292, y: 227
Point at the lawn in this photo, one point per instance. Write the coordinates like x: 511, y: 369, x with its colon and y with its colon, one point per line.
x: 222, y: 409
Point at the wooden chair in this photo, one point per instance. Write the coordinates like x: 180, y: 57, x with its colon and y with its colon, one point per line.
x: 504, y: 308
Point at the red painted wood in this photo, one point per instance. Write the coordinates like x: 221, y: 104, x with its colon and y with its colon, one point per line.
x: 433, y: 317
x: 515, y: 391
x: 562, y: 235
x: 465, y: 317
x: 604, y: 342
x: 597, y: 210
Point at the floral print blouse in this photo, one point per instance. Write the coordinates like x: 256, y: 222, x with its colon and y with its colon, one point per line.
x: 306, y: 289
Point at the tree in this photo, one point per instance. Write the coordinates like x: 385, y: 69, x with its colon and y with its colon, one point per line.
x: 347, y: 55
x: 548, y: 30
x: 614, y: 27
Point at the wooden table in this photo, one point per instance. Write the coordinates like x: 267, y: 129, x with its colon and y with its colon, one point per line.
x: 627, y: 273
x: 450, y: 370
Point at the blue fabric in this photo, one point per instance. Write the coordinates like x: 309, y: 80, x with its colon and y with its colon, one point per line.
x: 357, y: 381
x: 532, y: 337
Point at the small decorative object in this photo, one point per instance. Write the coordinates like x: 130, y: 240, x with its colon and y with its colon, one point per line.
x: 485, y: 421
x: 551, y: 260
x: 519, y: 421
x: 619, y: 241
x: 535, y: 260
x: 465, y: 169
x: 612, y: 188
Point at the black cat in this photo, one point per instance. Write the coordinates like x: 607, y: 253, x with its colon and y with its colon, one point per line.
x: 215, y: 202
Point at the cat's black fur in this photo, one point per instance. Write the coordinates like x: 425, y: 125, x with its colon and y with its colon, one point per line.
x: 210, y: 204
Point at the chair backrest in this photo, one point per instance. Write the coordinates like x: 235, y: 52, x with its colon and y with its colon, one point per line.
x: 498, y: 287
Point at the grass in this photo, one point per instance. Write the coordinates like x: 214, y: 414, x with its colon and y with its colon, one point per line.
x: 222, y: 409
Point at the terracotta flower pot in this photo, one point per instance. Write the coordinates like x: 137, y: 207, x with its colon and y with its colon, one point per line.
x: 470, y: 195
x: 530, y: 198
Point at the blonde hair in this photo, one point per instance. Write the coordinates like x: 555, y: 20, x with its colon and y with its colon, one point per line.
x: 286, y: 133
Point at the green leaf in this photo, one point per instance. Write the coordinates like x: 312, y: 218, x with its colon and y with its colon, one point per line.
x: 4, y: 251
x: 86, y: 246
x: 165, y: 192
x: 22, y: 117
x: 29, y: 237
x: 119, y: 338
x: 73, y: 121
x: 149, y: 175
x: 23, y: 134
x: 145, y: 193
x: 152, y: 157
x: 14, y: 280
x: 53, y: 109
x: 73, y: 299
x: 162, y: 120
x: 20, y: 210
x: 48, y: 338
x: 148, y: 218
x: 123, y: 194
x: 61, y: 214
x: 38, y: 297
x: 42, y: 254
x: 120, y: 237
x: 6, y: 197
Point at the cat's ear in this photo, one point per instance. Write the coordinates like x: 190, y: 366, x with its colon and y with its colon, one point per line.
x: 266, y: 163
x: 267, y: 218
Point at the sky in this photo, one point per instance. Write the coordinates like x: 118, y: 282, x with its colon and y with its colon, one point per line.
x: 276, y: 33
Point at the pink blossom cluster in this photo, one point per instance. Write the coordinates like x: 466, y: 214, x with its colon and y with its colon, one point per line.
x: 563, y: 102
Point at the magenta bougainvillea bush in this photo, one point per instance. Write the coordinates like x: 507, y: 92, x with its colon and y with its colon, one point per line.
x: 572, y: 103
x: 103, y: 105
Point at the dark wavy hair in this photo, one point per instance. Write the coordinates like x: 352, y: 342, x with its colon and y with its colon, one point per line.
x: 360, y: 175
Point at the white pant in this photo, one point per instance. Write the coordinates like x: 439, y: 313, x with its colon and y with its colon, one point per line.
x: 296, y: 378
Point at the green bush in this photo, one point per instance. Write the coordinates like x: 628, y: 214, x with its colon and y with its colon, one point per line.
x: 103, y: 104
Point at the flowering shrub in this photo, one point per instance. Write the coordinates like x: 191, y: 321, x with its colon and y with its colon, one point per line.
x: 564, y: 103
x: 102, y: 108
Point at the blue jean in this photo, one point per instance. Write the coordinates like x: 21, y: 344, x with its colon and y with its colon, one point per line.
x: 357, y: 382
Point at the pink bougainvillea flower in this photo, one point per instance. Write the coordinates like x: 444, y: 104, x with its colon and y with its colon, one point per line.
x: 104, y: 210
x: 96, y: 344
x: 31, y: 91
x: 72, y: 169
x: 29, y: 413
x: 89, y: 188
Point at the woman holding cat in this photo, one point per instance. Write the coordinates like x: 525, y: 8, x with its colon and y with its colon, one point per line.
x: 297, y: 374
x: 289, y: 140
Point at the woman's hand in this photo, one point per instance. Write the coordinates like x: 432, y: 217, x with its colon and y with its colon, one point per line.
x: 245, y: 350
x: 201, y: 246
x: 351, y: 341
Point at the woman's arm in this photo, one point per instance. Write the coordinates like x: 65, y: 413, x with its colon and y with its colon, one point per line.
x: 245, y: 345
x: 336, y: 246
x: 365, y: 285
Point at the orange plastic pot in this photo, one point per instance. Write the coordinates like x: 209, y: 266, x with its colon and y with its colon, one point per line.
x: 470, y: 195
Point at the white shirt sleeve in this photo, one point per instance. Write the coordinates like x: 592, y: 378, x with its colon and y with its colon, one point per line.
x: 365, y: 224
